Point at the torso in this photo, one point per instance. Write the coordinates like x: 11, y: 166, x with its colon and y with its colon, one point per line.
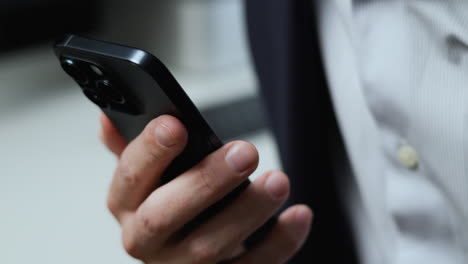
x: 398, y: 74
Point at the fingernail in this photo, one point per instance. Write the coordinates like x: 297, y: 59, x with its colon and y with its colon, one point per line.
x: 302, y: 219
x: 164, y: 136
x: 276, y: 186
x: 240, y: 158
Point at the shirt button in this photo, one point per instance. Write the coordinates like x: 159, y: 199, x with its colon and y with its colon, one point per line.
x: 408, y: 156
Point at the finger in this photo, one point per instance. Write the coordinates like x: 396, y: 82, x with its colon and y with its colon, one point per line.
x: 143, y: 162
x: 111, y: 137
x: 285, y: 239
x: 174, y: 204
x: 217, y: 238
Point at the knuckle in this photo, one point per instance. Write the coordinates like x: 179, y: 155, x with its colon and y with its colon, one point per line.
x: 204, y: 251
x: 124, y: 171
x: 150, y: 223
x: 207, y: 179
x: 112, y: 205
x: 131, y: 246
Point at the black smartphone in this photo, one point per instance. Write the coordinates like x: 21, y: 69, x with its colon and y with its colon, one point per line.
x: 132, y: 87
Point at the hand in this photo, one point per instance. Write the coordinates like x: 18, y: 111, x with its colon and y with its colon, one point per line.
x: 151, y: 215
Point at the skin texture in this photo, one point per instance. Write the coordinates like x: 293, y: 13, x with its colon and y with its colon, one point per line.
x: 152, y: 215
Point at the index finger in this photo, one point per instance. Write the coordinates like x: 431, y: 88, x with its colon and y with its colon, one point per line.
x: 111, y: 137
x: 143, y: 162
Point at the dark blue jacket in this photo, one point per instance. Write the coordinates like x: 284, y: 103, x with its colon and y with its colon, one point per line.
x: 287, y: 58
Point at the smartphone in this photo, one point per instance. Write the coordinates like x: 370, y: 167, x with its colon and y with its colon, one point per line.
x: 132, y: 87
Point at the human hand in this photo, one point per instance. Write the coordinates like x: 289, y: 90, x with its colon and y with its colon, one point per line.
x: 151, y: 215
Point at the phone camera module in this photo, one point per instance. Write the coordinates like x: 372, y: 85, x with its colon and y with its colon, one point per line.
x: 72, y: 69
x: 95, y: 97
x: 112, y: 94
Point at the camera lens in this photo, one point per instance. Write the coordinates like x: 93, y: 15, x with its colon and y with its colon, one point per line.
x: 110, y: 93
x: 96, y: 69
x: 70, y: 67
x: 95, y: 97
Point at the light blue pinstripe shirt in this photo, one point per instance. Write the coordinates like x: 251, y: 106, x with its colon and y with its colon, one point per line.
x: 398, y: 73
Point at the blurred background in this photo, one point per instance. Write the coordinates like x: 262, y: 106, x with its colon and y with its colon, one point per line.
x: 55, y: 172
